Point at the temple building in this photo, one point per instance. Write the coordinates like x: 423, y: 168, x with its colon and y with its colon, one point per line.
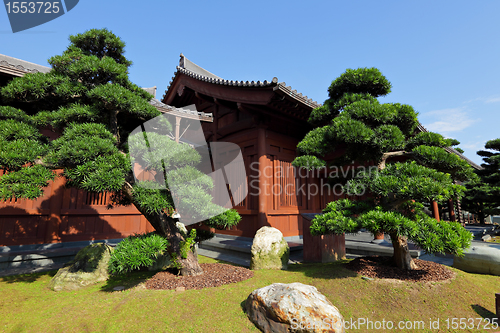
x: 265, y: 119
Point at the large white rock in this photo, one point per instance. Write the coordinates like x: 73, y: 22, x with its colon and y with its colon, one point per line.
x: 269, y: 250
x: 293, y: 307
x: 480, y: 259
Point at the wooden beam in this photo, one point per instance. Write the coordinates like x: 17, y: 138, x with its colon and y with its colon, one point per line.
x: 235, y: 127
x: 267, y: 113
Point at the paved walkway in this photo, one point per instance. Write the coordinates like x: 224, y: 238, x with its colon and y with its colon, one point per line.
x: 238, y: 250
x: 29, y: 270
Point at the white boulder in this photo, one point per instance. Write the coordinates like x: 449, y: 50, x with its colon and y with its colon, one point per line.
x: 269, y: 250
x: 293, y: 307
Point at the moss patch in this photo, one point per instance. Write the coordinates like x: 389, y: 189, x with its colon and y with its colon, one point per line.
x: 277, y: 258
x: 89, y: 266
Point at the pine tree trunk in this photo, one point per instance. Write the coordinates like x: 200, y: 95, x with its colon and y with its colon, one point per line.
x: 402, y: 257
x: 166, y: 226
x: 190, y: 266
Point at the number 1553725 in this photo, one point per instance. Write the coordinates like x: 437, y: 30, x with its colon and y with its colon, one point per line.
x: 39, y: 7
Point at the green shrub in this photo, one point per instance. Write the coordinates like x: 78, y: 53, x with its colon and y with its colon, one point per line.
x: 135, y: 252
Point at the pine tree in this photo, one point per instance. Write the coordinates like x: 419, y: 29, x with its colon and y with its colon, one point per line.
x: 412, y: 167
x: 89, y: 100
x: 483, y: 196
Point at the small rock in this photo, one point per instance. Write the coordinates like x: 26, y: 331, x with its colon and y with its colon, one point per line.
x: 119, y: 288
x: 180, y: 289
x: 89, y: 266
x: 486, y: 238
x: 293, y: 307
x: 269, y: 250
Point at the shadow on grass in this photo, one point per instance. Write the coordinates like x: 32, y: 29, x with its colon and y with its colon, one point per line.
x: 243, y: 307
x: 333, y: 270
x: 483, y: 312
x: 128, y: 281
x: 27, y: 278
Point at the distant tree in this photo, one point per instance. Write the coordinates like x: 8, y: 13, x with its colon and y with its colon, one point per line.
x: 413, y: 167
x: 482, y: 196
x: 89, y: 100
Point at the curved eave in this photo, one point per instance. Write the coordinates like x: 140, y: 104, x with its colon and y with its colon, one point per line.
x: 293, y: 94
x: 236, y: 91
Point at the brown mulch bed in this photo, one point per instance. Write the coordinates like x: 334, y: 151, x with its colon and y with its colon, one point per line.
x: 383, y: 268
x: 215, y: 275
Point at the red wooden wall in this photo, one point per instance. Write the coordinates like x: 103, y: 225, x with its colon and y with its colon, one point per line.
x: 287, y: 192
x: 65, y: 215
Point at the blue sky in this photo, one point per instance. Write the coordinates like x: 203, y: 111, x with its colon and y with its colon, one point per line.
x: 442, y: 57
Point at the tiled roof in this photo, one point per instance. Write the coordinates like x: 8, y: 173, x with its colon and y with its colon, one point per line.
x: 218, y: 80
x: 151, y: 90
x: 17, y: 65
x: 183, y: 112
x: 298, y: 96
x: 190, y: 69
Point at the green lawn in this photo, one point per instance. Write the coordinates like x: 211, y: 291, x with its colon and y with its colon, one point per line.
x: 27, y: 305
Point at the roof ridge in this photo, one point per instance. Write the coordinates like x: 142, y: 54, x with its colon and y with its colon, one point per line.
x: 190, y: 69
x: 191, y: 66
x: 218, y: 80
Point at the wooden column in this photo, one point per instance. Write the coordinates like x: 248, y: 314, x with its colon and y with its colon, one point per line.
x: 435, y: 210
x: 451, y: 210
x: 214, y: 136
x: 264, y: 179
x: 177, y: 128
x: 52, y: 232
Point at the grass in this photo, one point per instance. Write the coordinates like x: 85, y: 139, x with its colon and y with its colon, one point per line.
x: 27, y: 305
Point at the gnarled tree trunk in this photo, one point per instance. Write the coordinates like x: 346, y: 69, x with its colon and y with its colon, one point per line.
x: 402, y: 256
x: 166, y: 226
